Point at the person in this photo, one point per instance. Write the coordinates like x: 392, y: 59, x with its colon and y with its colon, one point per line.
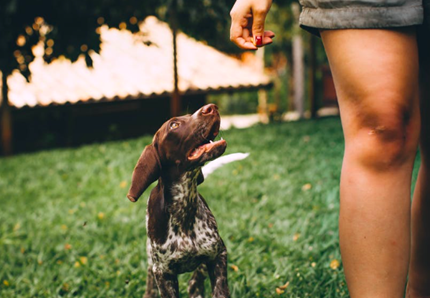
x: 379, y: 55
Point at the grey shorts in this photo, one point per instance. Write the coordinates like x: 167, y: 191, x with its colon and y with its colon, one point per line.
x: 363, y: 14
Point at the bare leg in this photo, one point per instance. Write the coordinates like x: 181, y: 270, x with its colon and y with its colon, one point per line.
x: 218, y: 275
x: 196, y: 285
x: 151, y: 285
x: 419, y: 272
x: 376, y: 78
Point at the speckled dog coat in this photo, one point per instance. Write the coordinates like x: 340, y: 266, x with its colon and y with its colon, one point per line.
x: 182, y: 231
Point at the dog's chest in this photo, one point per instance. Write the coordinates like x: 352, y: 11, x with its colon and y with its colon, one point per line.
x: 184, y: 250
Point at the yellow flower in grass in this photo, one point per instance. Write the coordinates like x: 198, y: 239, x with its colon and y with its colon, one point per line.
x: 334, y: 264
x: 77, y: 264
x: 6, y: 283
x: 306, y: 187
x: 83, y: 260
x: 123, y: 184
x: 234, y: 267
x: 281, y: 289
x: 101, y: 215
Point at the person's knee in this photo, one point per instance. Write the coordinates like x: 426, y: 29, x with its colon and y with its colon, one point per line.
x: 385, y: 138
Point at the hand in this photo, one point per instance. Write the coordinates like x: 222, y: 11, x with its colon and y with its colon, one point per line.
x: 247, y: 24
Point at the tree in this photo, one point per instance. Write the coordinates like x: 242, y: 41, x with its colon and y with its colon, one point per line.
x: 283, y: 22
x: 69, y: 28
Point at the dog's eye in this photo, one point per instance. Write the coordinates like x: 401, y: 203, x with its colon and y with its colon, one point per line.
x: 174, y: 125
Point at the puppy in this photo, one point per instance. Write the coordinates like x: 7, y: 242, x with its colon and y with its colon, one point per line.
x: 182, y: 231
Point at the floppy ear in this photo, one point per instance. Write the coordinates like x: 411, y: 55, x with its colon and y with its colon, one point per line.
x: 146, y: 171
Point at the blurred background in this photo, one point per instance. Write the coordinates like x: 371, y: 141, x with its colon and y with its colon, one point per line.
x: 89, y: 71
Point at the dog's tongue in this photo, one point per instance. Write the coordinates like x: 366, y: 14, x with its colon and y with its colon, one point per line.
x: 197, y: 152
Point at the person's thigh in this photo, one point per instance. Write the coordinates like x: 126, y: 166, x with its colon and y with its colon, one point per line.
x: 376, y: 77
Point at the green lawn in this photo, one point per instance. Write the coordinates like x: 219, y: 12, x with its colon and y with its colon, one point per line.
x: 66, y: 228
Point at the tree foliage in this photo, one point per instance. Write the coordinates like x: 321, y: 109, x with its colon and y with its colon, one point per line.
x: 69, y: 28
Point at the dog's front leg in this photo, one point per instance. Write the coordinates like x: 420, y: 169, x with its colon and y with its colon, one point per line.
x: 151, y: 285
x: 167, y: 284
x: 217, y: 270
x: 196, y: 285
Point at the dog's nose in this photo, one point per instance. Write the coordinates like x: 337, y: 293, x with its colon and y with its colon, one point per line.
x: 209, y: 109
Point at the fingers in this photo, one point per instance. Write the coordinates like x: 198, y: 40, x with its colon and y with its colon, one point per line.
x: 268, y: 37
x: 241, y: 37
x: 259, y: 16
x: 247, y: 26
x: 240, y: 23
x: 269, y: 33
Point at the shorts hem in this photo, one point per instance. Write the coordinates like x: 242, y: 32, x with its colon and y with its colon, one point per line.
x: 313, y: 19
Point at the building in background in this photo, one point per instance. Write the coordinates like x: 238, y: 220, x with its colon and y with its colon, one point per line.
x: 126, y: 93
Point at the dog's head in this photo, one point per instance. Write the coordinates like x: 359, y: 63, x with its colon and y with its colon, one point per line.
x: 181, y: 144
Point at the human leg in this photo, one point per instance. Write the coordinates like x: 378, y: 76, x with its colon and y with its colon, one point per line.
x: 376, y: 78
x: 419, y: 270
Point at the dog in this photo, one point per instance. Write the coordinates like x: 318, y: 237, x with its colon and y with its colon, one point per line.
x: 182, y: 231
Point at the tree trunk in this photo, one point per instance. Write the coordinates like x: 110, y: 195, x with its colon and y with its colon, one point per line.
x: 175, y: 101
x: 6, y: 119
x: 298, y: 66
x: 312, y: 77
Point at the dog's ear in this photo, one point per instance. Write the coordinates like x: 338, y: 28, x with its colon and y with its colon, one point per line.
x: 200, y: 177
x: 146, y: 171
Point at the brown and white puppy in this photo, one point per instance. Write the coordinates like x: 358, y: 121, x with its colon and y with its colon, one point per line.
x: 182, y: 231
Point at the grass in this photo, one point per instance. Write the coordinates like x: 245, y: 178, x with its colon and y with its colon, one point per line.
x: 67, y: 230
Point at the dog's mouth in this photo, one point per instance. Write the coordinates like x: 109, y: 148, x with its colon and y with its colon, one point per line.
x: 199, y: 151
x: 208, y: 145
